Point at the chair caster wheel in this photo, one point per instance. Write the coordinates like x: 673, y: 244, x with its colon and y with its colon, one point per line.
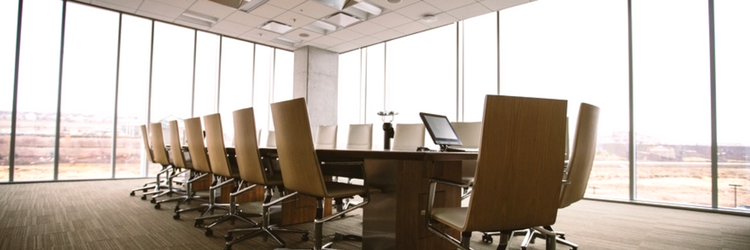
x: 143, y: 197
x: 487, y: 239
x: 153, y: 201
x: 228, y: 237
x: 176, y: 216
x: 198, y: 223
x: 228, y: 247
x: 132, y: 193
x: 305, y: 236
x: 209, y: 232
x: 157, y: 206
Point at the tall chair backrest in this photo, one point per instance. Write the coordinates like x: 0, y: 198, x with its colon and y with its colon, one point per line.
x: 408, y: 136
x: 360, y: 136
x: 196, y: 147
x: 217, y: 152
x: 246, y: 147
x: 469, y: 133
x: 294, y: 145
x: 582, y: 158
x: 175, y: 146
x: 147, y: 144
x: 520, y: 164
x: 271, y: 139
x: 326, y: 137
x: 157, y: 144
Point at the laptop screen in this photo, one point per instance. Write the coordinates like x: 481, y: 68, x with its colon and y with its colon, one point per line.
x: 440, y: 129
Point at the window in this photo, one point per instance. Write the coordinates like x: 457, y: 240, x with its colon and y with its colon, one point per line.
x: 8, y: 25
x: 479, y: 66
x: 132, y: 95
x: 553, y: 49
x: 206, y: 74
x: 38, y: 81
x: 672, y: 101
x: 732, y: 53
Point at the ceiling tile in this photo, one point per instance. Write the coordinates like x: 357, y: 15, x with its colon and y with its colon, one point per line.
x: 496, y: 5
x: 267, y: 11
x: 387, y: 35
x: 212, y: 9
x: 184, y: 4
x: 155, y: 16
x: 259, y: 34
x: 230, y: 28
x: 301, y: 33
x: 314, y: 10
x: 391, y: 19
x: 245, y: 19
x: 469, y: 11
x: 124, y: 6
x: 327, y: 40
x: 393, y: 6
x: 418, y: 10
x: 442, y: 19
x: 447, y: 5
x: 346, y: 35
x: 344, y: 47
x: 412, y: 27
x: 294, y: 19
x: 285, y: 4
x: 365, y: 41
x: 366, y: 28
x: 157, y: 9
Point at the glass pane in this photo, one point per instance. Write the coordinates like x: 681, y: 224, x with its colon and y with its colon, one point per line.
x: 672, y: 101
x: 575, y: 59
x: 172, y: 76
x: 132, y: 91
x: 421, y: 70
x: 264, y: 80
x: 283, y: 86
x: 236, y: 88
x: 8, y: 25
x: 89, y: 77
x: 732, y: 64
x: 350, y: 98
x: 38, y: 81
x: 374, y: 80
x: 206, y: 74
x: 480, y: 64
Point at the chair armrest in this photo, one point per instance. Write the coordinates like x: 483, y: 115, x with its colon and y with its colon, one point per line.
x: 449, y: 182
x: 431, y: 195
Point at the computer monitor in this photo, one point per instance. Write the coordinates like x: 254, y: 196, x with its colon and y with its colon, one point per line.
x: 440, y: 130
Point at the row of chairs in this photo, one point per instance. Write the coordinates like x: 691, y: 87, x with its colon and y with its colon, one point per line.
x: 208, y: 156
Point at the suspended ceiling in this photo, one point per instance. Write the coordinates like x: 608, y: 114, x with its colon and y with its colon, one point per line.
x: 334, y: 25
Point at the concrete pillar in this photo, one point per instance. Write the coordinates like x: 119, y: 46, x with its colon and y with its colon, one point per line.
x: 316, y: 75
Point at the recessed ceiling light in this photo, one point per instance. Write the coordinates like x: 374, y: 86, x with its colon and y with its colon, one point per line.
x: 394, y: 1
x: 342, y: 19
x: 429, y: 18
x: 276, y: 27
x: 304, y: 35
x: 198, y: 18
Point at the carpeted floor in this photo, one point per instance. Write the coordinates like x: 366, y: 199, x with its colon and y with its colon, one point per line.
x: 101, y: 215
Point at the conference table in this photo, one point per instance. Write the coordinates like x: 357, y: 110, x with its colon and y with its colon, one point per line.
x: 394, y: 218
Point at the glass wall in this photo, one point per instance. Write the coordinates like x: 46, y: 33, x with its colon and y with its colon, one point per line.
x: 732, y: 64
x: 672, y: 101
x: 479, y: 69
x: 8, y: 23
x: 132, y: 95
x: 89, y: 73
x: 37, y: 91
x: 133, y: 71
x: 574, y: 59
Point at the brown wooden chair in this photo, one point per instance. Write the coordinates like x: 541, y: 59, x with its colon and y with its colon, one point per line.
x: 517, y: 180
x: 225, y: 171
x: 155, y: 185
x: 301, y: 168
x: 255, y: 173
x: 179, y: 160
x: 578, y: 168
x: 160, y: 156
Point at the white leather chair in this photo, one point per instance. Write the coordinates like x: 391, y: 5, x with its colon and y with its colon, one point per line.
x: 325, y: 137
x: 469, y: 133
x: 360, y: 136
x: 408, y: 136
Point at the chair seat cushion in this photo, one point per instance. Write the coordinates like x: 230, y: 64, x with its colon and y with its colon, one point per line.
x: 454, y: 217
x: 342, y: 190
